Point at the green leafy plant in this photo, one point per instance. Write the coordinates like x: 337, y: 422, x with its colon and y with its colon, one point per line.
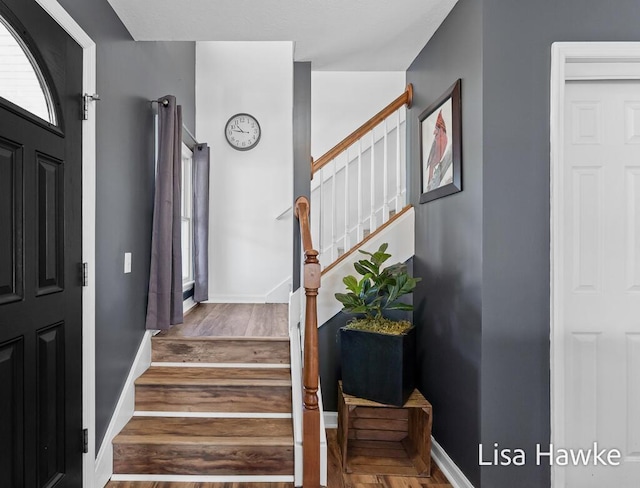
x: 379, y: 289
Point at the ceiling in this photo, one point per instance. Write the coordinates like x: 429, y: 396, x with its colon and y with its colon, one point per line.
x: 335, y: 35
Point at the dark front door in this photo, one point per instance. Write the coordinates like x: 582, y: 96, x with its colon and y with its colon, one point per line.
x: 40, y: 251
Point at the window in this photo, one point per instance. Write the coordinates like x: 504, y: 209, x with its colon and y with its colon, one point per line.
x: 187, y: 217
x: 21, y: 81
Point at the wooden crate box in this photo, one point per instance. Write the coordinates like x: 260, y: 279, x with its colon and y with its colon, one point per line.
x: 375, y: 438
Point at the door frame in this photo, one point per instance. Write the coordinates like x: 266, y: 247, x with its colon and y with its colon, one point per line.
x: 60, y: 15
x: 605, y: 60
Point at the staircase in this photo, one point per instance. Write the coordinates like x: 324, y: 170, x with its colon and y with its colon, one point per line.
x: 217, y: 411
x: 210, y: 409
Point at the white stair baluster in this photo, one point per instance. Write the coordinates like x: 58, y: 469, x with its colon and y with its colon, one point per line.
x: 360, y: 230
x: 322, y: 218
x: 345, y: 242
x: 398, y: 169
x: 334, y: 217
x: 385, y: 177
x: 372, y: 217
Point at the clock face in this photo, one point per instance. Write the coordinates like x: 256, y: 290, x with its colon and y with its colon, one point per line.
x: 242, y: 132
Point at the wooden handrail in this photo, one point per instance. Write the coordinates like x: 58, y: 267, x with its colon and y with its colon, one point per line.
x: 405, y: 99
x: 311, y: 411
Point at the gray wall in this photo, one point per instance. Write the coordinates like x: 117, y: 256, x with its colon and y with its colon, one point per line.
x: 301, y: 152
x: 515, y: 296
x: 128, y: 75
x: 448, y: 302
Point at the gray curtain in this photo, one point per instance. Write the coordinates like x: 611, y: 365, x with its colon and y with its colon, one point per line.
x: 164, y: 307
x: 201, y: 222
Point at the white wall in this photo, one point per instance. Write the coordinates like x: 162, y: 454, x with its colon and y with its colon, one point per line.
x: 250, y: 251
x: 342, y: 101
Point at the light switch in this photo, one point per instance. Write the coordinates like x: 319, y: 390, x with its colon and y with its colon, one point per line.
x: 127, y: 262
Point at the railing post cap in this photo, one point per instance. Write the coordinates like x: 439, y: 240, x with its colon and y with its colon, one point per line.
x: 409, y: 95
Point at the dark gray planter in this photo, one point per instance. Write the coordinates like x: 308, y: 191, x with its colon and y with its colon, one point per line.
x: 378, y: 367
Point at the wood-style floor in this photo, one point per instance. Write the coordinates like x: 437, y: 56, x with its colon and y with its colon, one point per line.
x: 233, y: 320
x: 260, y: 320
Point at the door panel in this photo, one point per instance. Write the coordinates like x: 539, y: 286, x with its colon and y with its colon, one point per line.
x: 11, y: 413
x: 50, y: 225
x: 40, y: 251
x: 601, y: 295
x: 11, y: 277
x: 50, y: 408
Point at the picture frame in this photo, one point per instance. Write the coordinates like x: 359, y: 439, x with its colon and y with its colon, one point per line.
x: 441, y: 147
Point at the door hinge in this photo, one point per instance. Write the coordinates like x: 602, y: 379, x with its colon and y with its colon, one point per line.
x: 86, y: 98
x: 85, y: 274
x: 85, y: 441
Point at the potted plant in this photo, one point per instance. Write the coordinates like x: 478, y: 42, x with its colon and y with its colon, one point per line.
x: 377, y: 349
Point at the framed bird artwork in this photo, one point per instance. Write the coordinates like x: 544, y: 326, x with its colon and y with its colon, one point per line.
x: 441, y: 147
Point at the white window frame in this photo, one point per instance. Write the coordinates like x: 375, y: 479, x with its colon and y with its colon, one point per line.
x: 186, y: 213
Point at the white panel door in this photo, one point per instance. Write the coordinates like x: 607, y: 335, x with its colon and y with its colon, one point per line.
x: 600, y: 278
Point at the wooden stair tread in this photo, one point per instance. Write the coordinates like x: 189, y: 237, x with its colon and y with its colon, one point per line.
x: 176, y: 440
x: 214, y: 398
x: 208, y: 427
x: 223, y: 339
x: 177, y: 484
x: 269, y: 350
x: 169, y: 376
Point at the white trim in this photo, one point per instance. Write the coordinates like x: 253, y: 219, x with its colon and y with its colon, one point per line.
x: 176, y: 478
x: 236, y: 299
x: 222, y: 365
x: 296, y: 388
x: 324, y: 462
x: 331, y: 420
x: 603, y: 70
x: 187, y: 305
x: 212, y: 415
x: 60, y: 15
x: 123, y: 412
x: 563, y: 54
x: 280, y: 292
x: 453, y: 473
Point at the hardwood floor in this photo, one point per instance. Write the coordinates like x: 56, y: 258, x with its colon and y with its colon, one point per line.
x: 233, y: 320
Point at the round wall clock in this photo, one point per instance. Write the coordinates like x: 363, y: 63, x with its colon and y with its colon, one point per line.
x: 242, y: 132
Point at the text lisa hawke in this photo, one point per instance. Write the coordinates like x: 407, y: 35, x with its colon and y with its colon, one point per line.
x: 594, y: 456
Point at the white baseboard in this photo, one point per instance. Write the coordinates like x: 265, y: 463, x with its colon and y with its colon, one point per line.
x: 188, y: 304
x: 123, y: 411
x: 453, y: 473
x: 235, y: 299
x: 280, y: 293
x: 331, y: 420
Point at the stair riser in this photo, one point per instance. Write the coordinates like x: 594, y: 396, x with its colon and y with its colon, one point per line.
x: 202, y: 459
x: 272, y: 399
x: 212, y: 351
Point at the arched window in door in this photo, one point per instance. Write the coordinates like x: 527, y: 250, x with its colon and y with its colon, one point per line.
x: 21, y: 81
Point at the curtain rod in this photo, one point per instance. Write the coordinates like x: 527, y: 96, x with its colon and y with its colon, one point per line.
x: 187, y: 136
x: 164, y: 102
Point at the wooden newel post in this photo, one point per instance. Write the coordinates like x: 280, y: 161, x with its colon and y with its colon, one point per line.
x: 311, y: 412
